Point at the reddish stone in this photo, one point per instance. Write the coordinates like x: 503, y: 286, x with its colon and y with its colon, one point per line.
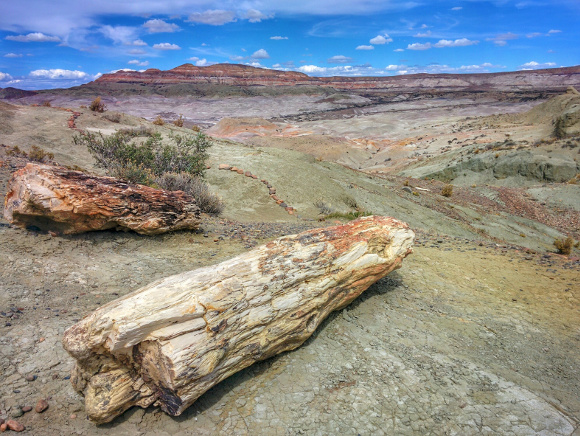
x: 14, y: 425
x: 41, y: 406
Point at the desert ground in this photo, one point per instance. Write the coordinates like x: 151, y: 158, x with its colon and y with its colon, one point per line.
x: 477, y: 333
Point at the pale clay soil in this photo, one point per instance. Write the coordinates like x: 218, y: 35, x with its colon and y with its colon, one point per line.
x: 471, y: 336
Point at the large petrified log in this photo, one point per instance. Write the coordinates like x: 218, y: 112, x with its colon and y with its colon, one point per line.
x: 67, y: 202
x: 169, y: 342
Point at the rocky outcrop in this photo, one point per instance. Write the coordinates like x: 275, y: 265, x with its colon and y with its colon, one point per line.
x: 243, y: 75
x: 63, y: 201
x: 169, y: 342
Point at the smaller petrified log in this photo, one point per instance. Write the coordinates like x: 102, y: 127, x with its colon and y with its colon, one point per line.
x: 64, y: 201
x: 169, y: 342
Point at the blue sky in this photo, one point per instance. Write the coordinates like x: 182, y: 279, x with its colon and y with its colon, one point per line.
x: 61, y: 43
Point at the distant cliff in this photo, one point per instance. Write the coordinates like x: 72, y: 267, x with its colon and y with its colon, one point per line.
x: 243, y: 75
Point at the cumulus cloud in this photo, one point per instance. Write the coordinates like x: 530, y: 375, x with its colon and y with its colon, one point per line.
x: 199, y: 62
x: 533, y: 65
x: 57, y: 73
x: 33, y: 37
x: 278, y: 38
x: 381, y: 39
x: 138, y: 43
x: 214, y: 17
x: 159, y: 26
x: 255, y: 16
x: 260, y: 54
x: 339, y: 59
x: 463, y: 42
x: 309, y: 69
x: 5, y: 76
x: 138, y: 63
x: 13, y: 55
x: 166, y: 46
x: 419, y: 46
x: 502, y: 39
x: 365, y: 47
x: 392, y: 67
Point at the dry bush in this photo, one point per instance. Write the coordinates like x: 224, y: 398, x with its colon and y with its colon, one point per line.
x: 195, y: 186
x: 196, y: 128
x: 447, y: 190
x: 46, y: 103
x: 179, y: 122
x: 97, y: 105
x: 323, y: 207
x: 39, y: 155
x: 565, y: 246
x: 15, y: 151
x: 159, y: 121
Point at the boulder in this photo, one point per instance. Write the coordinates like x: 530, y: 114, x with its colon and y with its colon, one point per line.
x: 63, y: 201
x: 170, y: 341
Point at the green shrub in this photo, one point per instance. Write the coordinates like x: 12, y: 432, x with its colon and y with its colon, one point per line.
x: 177, y: 163
x: 559, y: 131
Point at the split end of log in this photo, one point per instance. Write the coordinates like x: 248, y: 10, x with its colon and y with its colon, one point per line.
x: 169, y: 342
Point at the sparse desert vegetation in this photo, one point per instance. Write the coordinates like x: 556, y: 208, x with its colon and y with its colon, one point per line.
x: 97, y: 105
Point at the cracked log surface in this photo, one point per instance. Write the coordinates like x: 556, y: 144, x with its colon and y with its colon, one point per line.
x: 67, y: 202
x: 170, y: 341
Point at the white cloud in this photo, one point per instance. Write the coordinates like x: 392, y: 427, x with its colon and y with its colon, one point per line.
x: 419, y: 46
x: 138, y: 43
x: 501, y: 40
x: 255, y: 16
x: 13, y: 55
x: 138, y: 63
x: 137, y: 52
x: 380, y: 39
x: 201, y: 62
x: 392, y: 68
x: 398, y: 50
x: 457, y: 8
x: 463, y: 42
x: 551, y: 32
x: 365, y: 47
x: 166, y: 46
x: 533, y: 65
x: 311, y: 69
x: 214, y: 17
x: 5, y: 76
x: 237, y: 58
x: 59, y: 74
x: 423, y: 35
x: 119, y: 34
x: 159, y: 26
x: 260, y: 54
x: 534, y: 35
x: 33, y: 37
x: 278, y: 38
x: 339, y: 59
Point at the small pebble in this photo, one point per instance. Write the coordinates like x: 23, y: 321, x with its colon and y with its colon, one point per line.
x: 3, y: 427
x: 14, y: 425
x: 27, y: 409
x: 41, y: 406
x: 73, y: 416
x: 17, y: 413
x: 30, y: 377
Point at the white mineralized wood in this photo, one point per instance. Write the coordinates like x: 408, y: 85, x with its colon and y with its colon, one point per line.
x: 169, y: 342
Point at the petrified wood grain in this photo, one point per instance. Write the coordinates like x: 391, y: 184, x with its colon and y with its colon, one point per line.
x: 169, y: 342
x: 64, y: 201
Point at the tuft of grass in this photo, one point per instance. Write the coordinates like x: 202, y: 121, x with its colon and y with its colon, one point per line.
x: 114, y: 117
x: 179, y: 122
x: 39, y: 155
x: 15, y: 151
x: 447, y: 190
x: 323, y: 207
x: 97, y: 105
x: 159, y: 121
x: 564, y: 246
x: 196, y: 128
x: 195, y: 186
x: 46, y: 103
x: 134, y: 132
x: 348, y: 215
